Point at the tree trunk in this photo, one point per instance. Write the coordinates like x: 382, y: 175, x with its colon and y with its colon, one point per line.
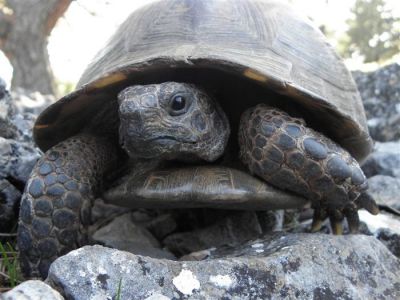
x: 24, y: 41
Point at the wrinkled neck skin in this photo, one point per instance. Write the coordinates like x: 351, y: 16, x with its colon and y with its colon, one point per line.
x: 170, y: 121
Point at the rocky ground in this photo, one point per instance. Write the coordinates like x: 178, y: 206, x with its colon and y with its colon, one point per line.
x: 211, y: 254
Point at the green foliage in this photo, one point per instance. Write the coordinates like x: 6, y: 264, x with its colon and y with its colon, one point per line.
x: 119, y: 290
x: 64, y: 88
x: 373, y: 33
x: 9, y: 264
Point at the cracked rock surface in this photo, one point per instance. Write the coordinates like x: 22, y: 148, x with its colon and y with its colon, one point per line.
x: 306, y: 266
x: 380, y: 91
x: 18, y: 154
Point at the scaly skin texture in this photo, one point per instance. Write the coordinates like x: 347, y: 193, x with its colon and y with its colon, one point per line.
x: 151, y: 127
x: 284, y: 152
x: 56, y: 205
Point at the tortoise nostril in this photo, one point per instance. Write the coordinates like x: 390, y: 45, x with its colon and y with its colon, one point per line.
x: 198, y: 122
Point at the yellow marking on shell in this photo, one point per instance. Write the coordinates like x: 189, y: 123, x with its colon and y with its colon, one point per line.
x: 40, y: 126
x: 249, y: 73
x: 109, y: 80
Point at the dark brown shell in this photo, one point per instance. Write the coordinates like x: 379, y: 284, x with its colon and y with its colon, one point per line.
x: 240, y: 47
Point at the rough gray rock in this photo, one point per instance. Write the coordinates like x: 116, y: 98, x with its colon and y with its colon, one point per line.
x: 9, y: 201
x: 274, y: 220
x: 385, y: 227
x: 7, y: 110
x: 123, y: 234
x: 24, y: 124
x: 30, y: 102
x: 161, y: 225
x: 17, y: 159
x: 385, y: 160
x: 390, y: 239
x: 234, y: 229
x: 385, y: 190
x: 198, y: 255
x: 18, y: 112
x: 18, y: 153
x: 32, y: 290
x: 380, y: 91
x: 297, y: 266
x: 103, y: 212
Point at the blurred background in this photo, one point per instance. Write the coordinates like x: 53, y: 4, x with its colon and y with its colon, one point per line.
x: 53, y: 40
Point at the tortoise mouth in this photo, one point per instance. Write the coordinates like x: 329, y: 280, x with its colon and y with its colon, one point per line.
x: 160, y: 147
x: 168, y: 139
x: 148, y: 142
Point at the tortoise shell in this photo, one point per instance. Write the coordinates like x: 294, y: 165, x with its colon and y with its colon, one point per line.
x: 246, y: 51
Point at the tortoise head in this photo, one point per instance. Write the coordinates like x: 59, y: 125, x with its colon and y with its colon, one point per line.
x: 171, y: 121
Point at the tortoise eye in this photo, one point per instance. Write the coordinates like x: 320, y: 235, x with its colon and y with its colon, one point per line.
x: 178, y: 105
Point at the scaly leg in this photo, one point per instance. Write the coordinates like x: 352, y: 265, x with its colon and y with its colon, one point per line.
x: 56, y: 204
x: 284, y: 152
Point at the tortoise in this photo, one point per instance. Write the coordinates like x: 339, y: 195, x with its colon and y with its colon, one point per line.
x: 199, y: 103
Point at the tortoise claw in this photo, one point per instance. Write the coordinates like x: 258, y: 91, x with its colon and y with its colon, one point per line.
x: 316, y: 225
x: 336, y: 220
x: 318, y: 218
x: 336, y: 217
x: 337, y: 227
x: 349, y: 212
x: 352, y: 218
x: 367, y: 202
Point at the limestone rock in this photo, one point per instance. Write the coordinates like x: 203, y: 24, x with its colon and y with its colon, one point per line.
x: 380, y: 91
x: 31, y: 102
x: 17, y: 159
x: 9, y: 199
x: 385, y: 160
x: 385, y: 227
x: 123, y: 234
x: 32, y: 290
x: 104, y: 212
x: 234, y: 229
x: 7, y: 111
x: 293, y: 266
x: 385, y: 190
x: 161, y: 225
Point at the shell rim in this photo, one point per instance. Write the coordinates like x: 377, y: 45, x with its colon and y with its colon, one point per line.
x: 45, y: 133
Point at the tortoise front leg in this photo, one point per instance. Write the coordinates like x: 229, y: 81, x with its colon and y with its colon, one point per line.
x: 284, y: 152
x: 56, y: 204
